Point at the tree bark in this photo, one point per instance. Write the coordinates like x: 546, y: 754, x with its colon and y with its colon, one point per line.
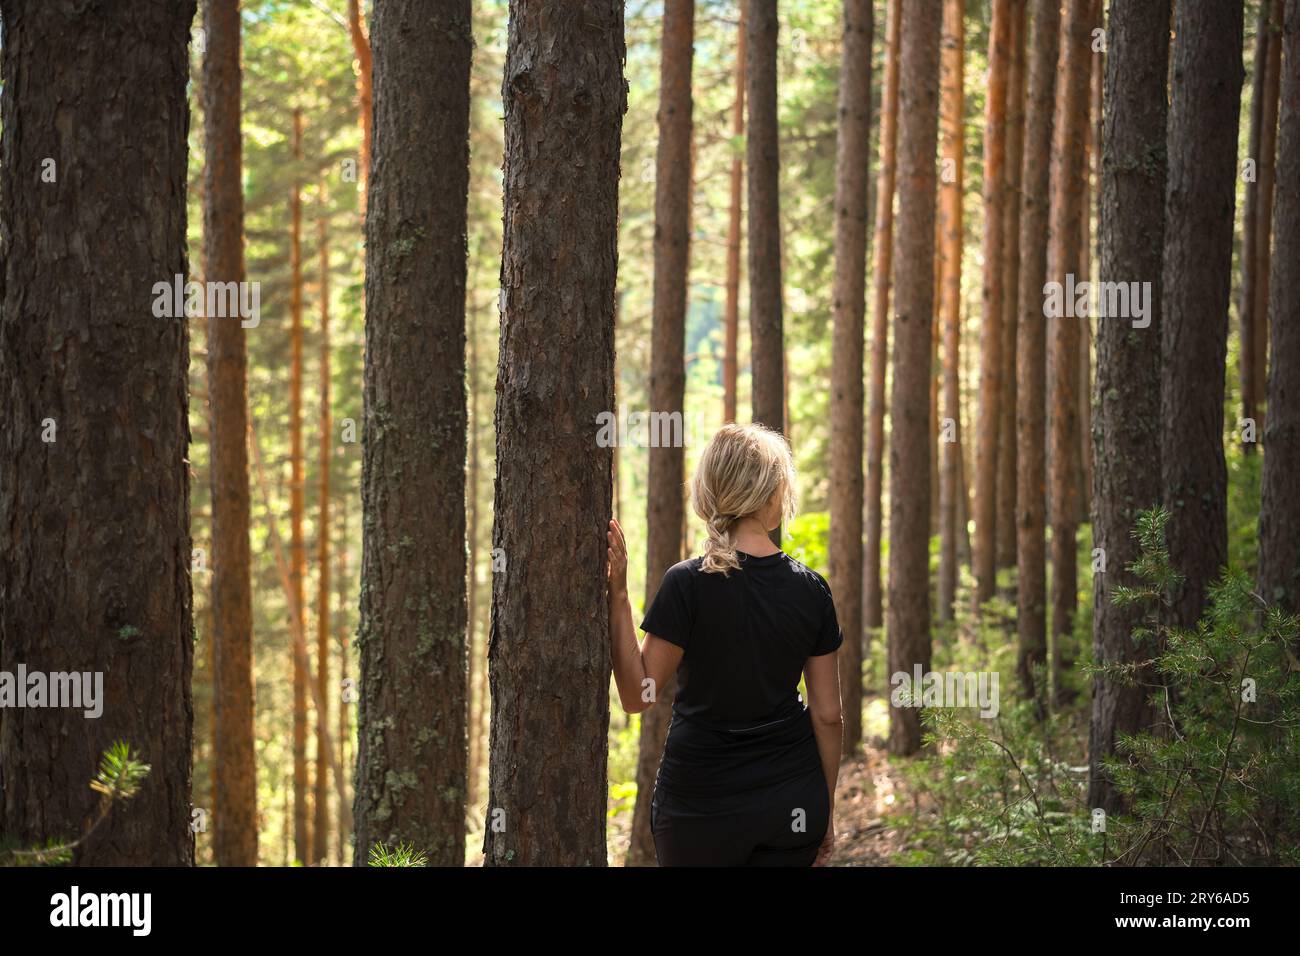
x: 321, y: 797
x: 883, y: 243
x: 1264, y: 213
x: 731, y: 316
x: 1252, y: 391
x: 1279, y: 516
x: 1196, y: 286
x: 952, y: 112
x: 762, y: 149
x: 94, y: 547
x: 665, y: 508
x: 365, y: 94
x: 1031, y: 348
x: 235, y: 808
x: 411, y: 756
x: 549, y: 650
x: 1063, y: 356
x: 1005, y: 532
x: 986, y: 426
x: 1126, y: 479
x: 297, y: 482
x: 852, y: 170
x: 909, y: 459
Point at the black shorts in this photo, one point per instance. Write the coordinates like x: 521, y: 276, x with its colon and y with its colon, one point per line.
x: 723, y: 799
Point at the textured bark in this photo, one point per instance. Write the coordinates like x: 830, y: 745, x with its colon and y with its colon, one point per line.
x: 411, y: 755
x: 1063, y: 260
x: 549, y: 650
x: 731, y: 316
x: 234, y: 810
x: 1126, y: 479
x: 883, y: 243
x: 665, y: 507
x: 1263, y: 224
x: 1196, y: 283
x: 1279, y: 516
x: 952, y: 113
x: 762, y: 153
x: 94, y: 525
x: 852, y: 169
x: 321, y: 795
x: 365, y: 94
x: 987, y: 422
x: 1031, y: 348
x: 297, y: 547
x: 1252, y: 391
x: 1092, y: 147
x: 1005, y: 517
x: 909, y: 455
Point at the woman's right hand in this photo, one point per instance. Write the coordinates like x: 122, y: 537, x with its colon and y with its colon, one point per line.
x: 616, y: 557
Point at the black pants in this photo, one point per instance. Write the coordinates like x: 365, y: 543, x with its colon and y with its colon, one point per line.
x: 781, y: 824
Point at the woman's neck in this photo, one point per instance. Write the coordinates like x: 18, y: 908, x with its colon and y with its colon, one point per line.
x: 750, y: 537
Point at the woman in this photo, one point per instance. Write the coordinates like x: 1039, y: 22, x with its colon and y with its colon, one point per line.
x: 748, y: 771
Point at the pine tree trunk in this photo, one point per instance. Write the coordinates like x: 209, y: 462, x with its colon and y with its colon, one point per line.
x: 297, y: 482
x: 1196, y: 286
x: 952, y: 113
x: 321, y: 798
x: 986, y: 426
x: 234, y: 812
x: 1031, y: 348
x: 762, y: 148
x: 1264, y: 213
x: 549, y: 650
x: 883, y: 243
x: 95, y: 549
x: 1005, y: 545
x: 365, y: 95
x: 410, y: 778
x: 1126, y: 479
x: 1252, y: 391
x: 731, y: 315
x: 664, y: 505
x: 1279, y: 516
x: 852, y: 170
x: 909, y: 492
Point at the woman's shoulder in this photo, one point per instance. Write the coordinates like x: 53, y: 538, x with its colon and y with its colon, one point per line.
x: 813, y: 578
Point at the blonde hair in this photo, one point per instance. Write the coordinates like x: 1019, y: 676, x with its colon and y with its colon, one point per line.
x: 740, y: 470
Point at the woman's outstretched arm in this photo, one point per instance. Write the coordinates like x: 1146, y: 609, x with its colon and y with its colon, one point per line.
x: 639, y: 669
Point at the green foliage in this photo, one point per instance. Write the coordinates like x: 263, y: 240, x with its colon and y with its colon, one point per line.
x: 401, y: 855
x: 1215, y: 780
x: 118, y: 779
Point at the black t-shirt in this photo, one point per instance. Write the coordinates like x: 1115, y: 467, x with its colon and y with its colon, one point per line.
x: 746, y: 636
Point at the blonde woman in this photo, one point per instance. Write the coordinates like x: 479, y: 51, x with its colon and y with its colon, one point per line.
x: 748, y: 771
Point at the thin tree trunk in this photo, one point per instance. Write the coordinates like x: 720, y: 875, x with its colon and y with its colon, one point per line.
x: 411, y: 754
x: 952, y: 111
x: 1264, y: 213
x: 1091, y: 152
x: 1252, y: 390
x: 986, y: 445
x: 297, y: 547
x: 549, y: 650
x: 1063, y: 358
x: 872, y: 603
x: 664, y: 505
x: 852, y: 171
x: 909, y: 493
x: 1031, y: 349
x: 94, y: 495
x: 365, y: 94
x: 1196, y: 287
x: 731, y: 317
x: 320, y: 828
x: 234, y: 810
x: 1005, y: 517
x: 764, y: 208
x: 1279, y: 516
x: 1126, y: 479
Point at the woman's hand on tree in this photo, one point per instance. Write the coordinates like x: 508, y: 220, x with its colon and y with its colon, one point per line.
x: 616, y: 560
